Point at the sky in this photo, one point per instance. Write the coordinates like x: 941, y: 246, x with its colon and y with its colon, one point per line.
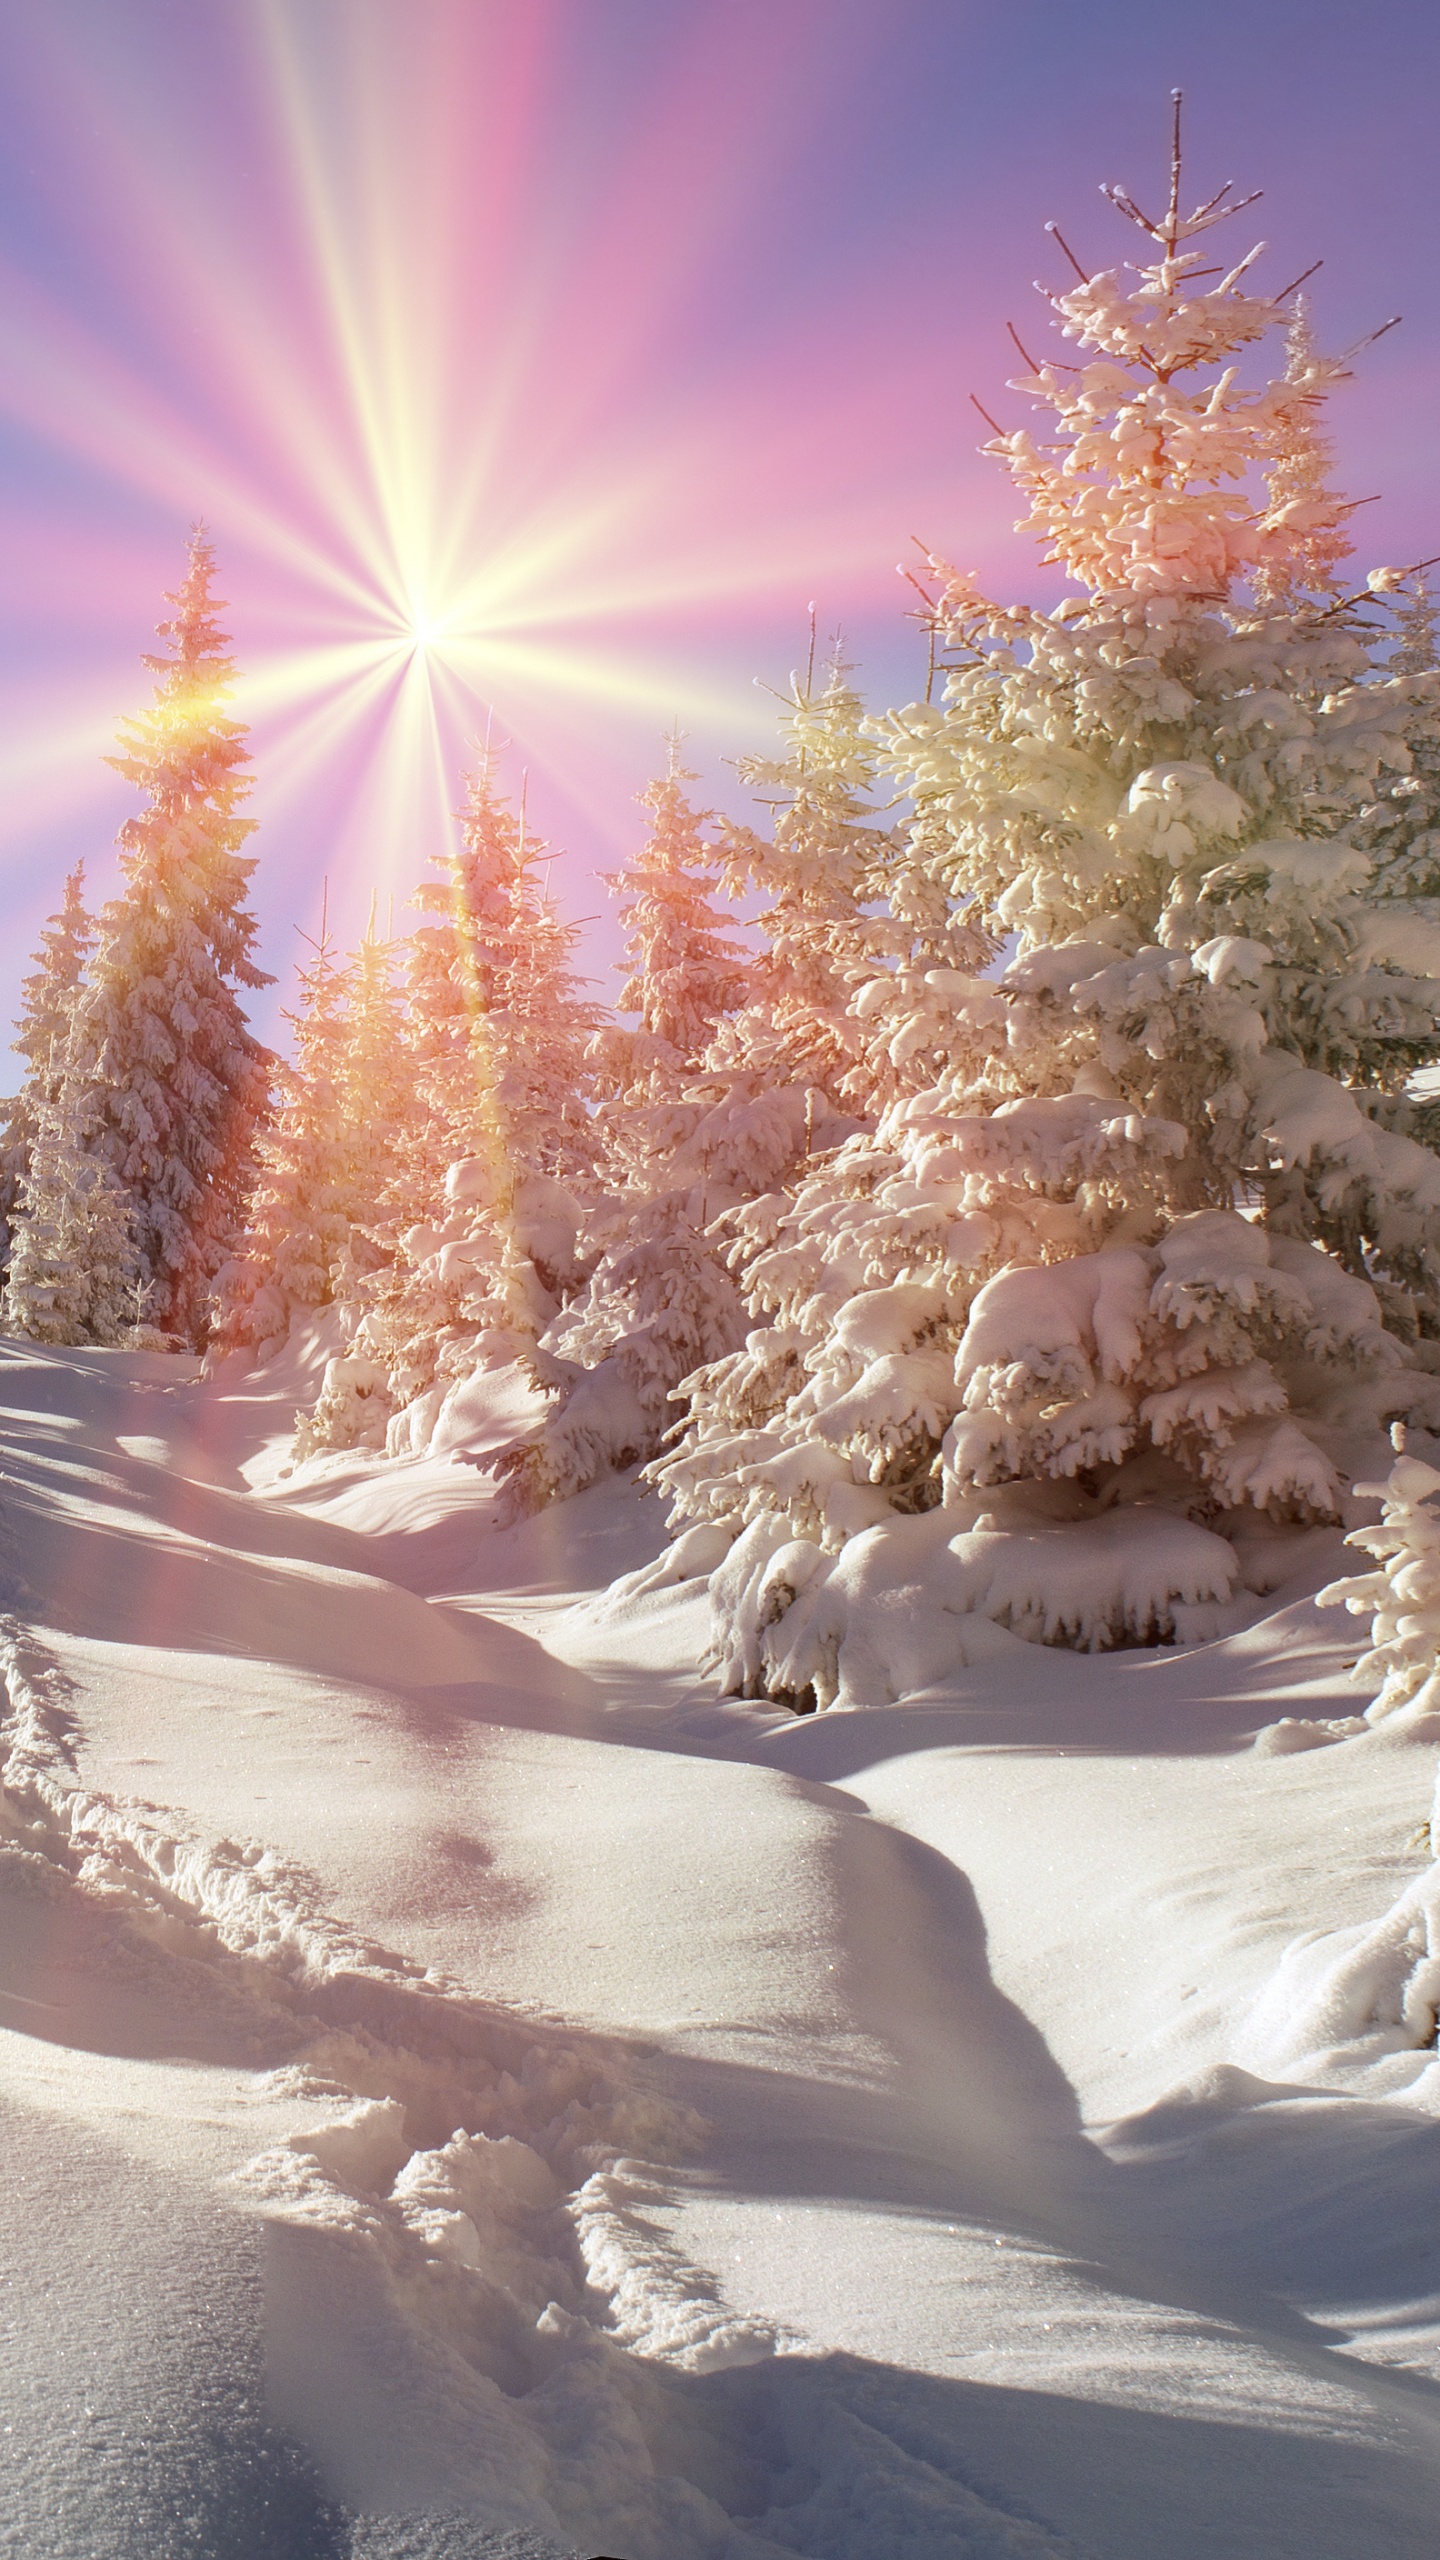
x: 536, y: 365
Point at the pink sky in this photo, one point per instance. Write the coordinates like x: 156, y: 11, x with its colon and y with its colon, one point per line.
x: 601, y: 340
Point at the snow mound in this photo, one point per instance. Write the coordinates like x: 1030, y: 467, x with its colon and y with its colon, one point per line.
x: 1356, y: 1997
x: 910, y: 1601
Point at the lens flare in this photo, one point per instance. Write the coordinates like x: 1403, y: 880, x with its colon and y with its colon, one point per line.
x: 404, y: 304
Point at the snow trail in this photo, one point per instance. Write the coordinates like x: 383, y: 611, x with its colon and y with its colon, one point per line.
x: 657, y: 2150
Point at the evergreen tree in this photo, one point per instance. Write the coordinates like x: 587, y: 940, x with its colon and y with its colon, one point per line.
x: 498, y: 1028
x: 333, y: 1162
x: 1401, y: 828
x: 705, y: 1107
x: 478, y: 1248
x: 377, y: 1081
x: 74, y: 1274
x: 824, y: 861
x: 306, y: 1195
x: 1102, y: 1296
x: 1415, y: 652
x: 180, y: 1086
x: 1401, y: 1596
x: 685, y: 972
x: 1302, y: 507
x: 43, y: 1030
x: 42, y: 1033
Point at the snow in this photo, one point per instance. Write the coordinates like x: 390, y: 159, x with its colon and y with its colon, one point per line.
x: 471, y: 2089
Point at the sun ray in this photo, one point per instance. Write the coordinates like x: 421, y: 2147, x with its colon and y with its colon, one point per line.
x: 390, y: 302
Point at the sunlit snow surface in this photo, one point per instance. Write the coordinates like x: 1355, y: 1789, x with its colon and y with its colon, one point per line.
x: 468, y: 2090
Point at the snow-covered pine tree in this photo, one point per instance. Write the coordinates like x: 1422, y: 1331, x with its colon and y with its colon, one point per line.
x: 1101, y: 1300
x: 180, y: 1085
x: 1401, y: 829
x: 498, y: 1028
x: 306, y: 1197
x: 42, y: 1033
x: 74, y: 1273
x: 823, y: 864
x: 479, y: 1248
x: 684, y: 971
x: 377, y: 1078
x: 658, y: 1300
x: 1401, y: 1597
x: 1300, y: 501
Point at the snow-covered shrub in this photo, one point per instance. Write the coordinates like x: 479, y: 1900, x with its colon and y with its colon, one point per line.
x: 470, y: 1293
x: 352, y: 1410
x: 1142, y: 1224
x: 909, y: 1600
x: 658, y: 1304
x: 1402, y: 1596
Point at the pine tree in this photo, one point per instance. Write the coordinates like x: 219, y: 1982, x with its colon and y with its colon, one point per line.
x: 705, y: 1105
x: 823, y: 863
x: 1302, y: 506
x: 377, y: 1077
x: 1401, y: 828
x: 305, y: 1198
x: 1402, y: 1596
x: 685, y: 972
x: 1141, y: 1237
x: 498, y: 1028
x: 43, y: 1030
x: 1415, y: 652
x: 74, y: 1274
x: 478, y: 1249
x: 180, y: 1085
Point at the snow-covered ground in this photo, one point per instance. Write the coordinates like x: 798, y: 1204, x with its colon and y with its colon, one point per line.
x: 469, y: 2090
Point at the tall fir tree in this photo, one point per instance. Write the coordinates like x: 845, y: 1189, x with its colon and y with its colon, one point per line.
x: 823, y: 864
x: 42, y: 1033
x: 1128, y: 1269
x: 657, y: 1300
x: 377, y: 1076
x: 333, y: 1154
x: 684, y: 972
x: 180, y: 1084
x: 305, y: 1197
x: 477, y: 1249
x: 498, y: 1028
x: 74, y: 1274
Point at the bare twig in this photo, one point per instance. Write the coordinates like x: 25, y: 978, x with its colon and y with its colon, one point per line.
x: 1301, y: 279
x: 1058, y: 236
x: 1172, y: 217
x: 1370, y: 337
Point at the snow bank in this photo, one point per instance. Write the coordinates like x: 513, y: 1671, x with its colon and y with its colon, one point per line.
x: 909, y: 1602
x: 1356, y: 1998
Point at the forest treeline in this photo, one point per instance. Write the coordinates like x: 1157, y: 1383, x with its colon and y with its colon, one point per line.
x: 1038, y: 1201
